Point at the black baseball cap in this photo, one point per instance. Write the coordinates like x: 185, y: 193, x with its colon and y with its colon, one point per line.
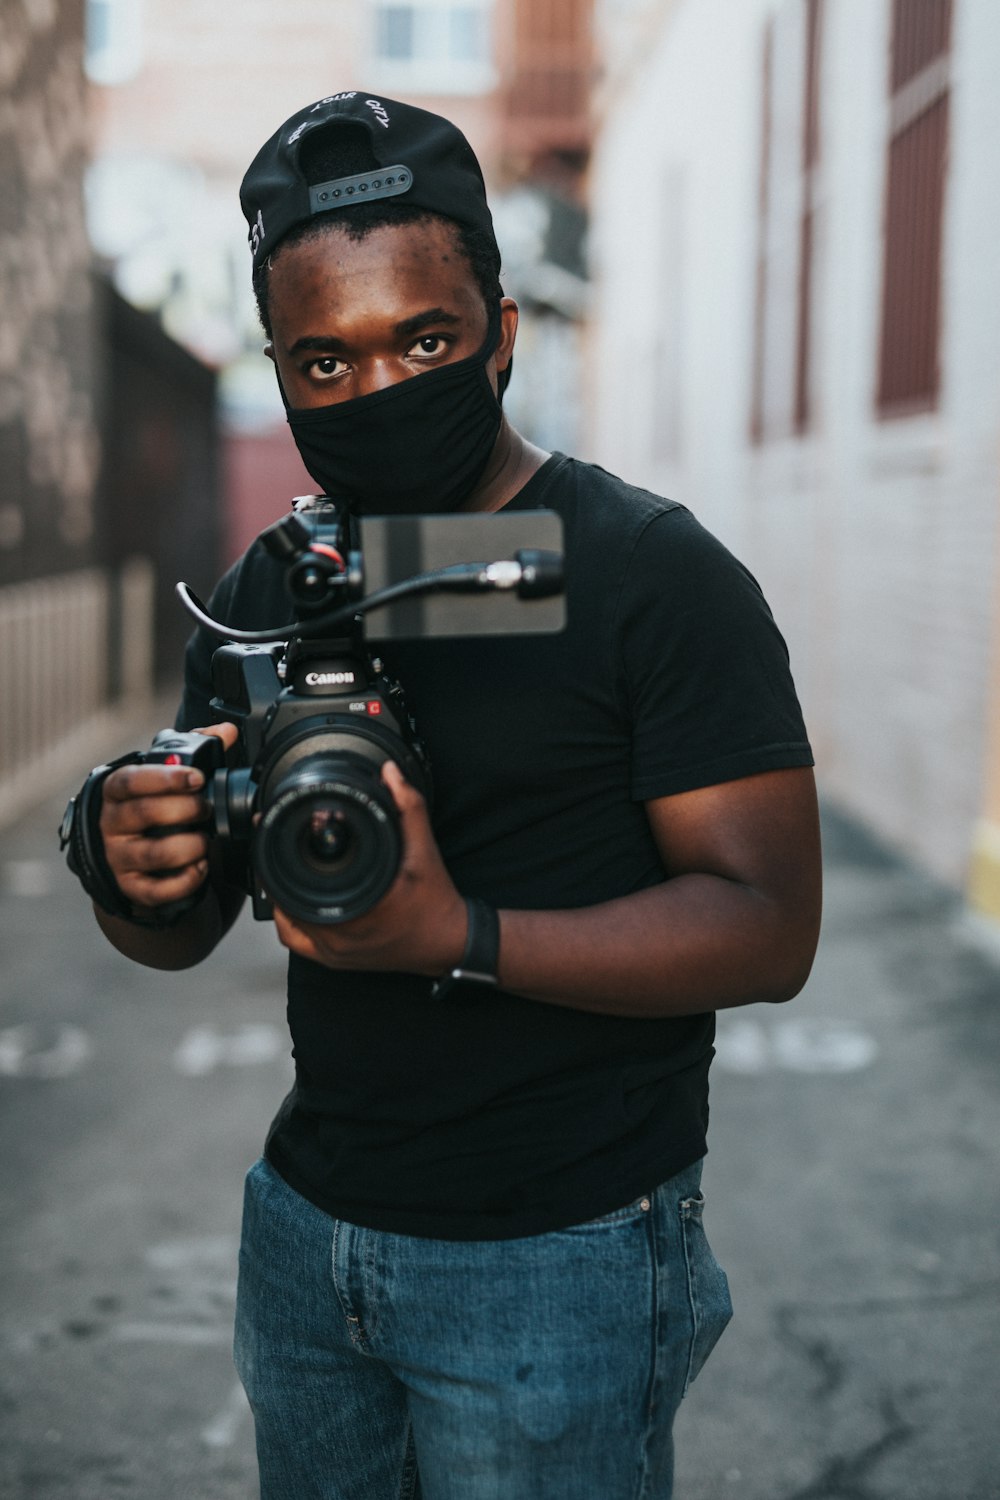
x: 422, y: 159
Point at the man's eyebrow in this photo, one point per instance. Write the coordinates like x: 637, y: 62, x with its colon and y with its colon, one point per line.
x: 423, y: 319
x: 318, y: 341
x: 328, y: 342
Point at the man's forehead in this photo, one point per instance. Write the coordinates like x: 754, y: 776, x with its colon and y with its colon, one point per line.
x: 361, y: 288
x: 430, y: 250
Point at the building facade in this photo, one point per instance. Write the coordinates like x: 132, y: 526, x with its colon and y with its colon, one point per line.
x: 125, y: 126
x: 796, y: 313
x: 54, y: 599
x: 107, y: 439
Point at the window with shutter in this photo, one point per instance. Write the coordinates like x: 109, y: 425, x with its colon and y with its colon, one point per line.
x: 789, y: 190
x: 909, y: 370
x: 434, y: 46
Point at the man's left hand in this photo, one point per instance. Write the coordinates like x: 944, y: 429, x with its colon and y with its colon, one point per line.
x: 418, y: 927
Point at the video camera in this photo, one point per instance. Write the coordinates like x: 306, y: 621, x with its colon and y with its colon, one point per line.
x: 306, y: 819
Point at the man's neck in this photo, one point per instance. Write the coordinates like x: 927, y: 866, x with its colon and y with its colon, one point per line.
x: 512, y: 463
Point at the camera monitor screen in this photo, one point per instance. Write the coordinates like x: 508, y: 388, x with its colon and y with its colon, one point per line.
x: 398, y: 547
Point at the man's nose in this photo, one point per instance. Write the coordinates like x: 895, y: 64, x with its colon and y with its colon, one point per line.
x: 378, y: 375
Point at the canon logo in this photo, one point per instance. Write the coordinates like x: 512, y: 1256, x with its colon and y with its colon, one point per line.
x: 329, y: 679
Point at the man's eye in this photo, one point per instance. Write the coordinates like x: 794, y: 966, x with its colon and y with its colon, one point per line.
x: 326, y: 368
x: 430, y: 344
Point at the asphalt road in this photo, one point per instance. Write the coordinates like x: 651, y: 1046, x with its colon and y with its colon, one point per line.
x: 852, y: 1186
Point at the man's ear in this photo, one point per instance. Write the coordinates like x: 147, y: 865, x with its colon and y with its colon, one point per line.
x: 269, y: 351
x: 508, y: 332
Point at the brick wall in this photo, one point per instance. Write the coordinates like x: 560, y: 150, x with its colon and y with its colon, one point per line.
x: 49, y: 450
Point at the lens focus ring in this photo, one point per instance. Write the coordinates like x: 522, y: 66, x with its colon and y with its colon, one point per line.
x: 328, y: 846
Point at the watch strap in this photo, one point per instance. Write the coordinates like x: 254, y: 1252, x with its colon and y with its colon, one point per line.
x: 481, y: 956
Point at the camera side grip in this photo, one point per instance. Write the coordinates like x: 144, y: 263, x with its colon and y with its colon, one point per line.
x: 81, y: 839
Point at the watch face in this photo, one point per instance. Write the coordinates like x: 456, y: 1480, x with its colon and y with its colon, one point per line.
x: 474, y: 976
x: 66, y: 826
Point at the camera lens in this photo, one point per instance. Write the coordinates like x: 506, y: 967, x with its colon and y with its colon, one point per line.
x: 328, y: 839
x: 328, y: 845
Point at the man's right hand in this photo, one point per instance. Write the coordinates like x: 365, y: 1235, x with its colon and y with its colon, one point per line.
x: 150, y: 819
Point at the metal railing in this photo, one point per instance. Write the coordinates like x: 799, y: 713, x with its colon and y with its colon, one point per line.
x: 74, y: 650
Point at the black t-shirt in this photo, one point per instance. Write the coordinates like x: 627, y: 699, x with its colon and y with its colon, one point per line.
x: 491, y: 1116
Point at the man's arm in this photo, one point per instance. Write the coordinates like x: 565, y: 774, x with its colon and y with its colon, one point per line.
x: 736, y: 921
x: 189, y: 940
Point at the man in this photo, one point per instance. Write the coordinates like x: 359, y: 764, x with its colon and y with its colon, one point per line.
x: 473, y: 1262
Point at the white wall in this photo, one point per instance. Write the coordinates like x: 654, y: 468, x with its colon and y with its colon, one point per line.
x: 874, y: 541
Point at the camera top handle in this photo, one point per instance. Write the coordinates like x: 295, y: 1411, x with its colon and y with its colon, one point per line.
x: 532, y: 571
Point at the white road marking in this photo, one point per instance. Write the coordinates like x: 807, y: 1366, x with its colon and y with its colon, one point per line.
x: 169, y: 1333
x: 212, y: 1252
x: 28, y: 877
x: 201, y: 1276
x: 221, y: 1431
x: 742, y: 1047
x: 805, y: 1046
x: 794, y: 1046
x: 204, y: 1049
x: 26, y: 1053
x: 198, y: 1278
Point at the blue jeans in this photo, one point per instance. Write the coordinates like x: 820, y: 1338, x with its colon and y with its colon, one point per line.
x: 389, y: 1367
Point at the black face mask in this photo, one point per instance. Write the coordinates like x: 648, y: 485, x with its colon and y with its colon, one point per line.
x: 419, y: 446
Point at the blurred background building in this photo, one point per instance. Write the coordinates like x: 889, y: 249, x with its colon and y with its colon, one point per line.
x: 750, y: 239
x: 141, y: 433
x: 187, y: 91
x: 107, y: 436
x: 796, y: 318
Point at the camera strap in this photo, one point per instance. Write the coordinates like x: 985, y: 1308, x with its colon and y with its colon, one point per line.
x: 81, y: 839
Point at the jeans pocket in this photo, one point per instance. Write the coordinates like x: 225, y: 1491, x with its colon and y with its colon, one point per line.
x: 707, y: 1286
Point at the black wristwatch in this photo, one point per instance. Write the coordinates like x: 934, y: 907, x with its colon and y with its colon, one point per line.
x: 480, y: 960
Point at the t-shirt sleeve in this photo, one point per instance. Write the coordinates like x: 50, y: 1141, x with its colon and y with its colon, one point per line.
x: 704, y: 666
